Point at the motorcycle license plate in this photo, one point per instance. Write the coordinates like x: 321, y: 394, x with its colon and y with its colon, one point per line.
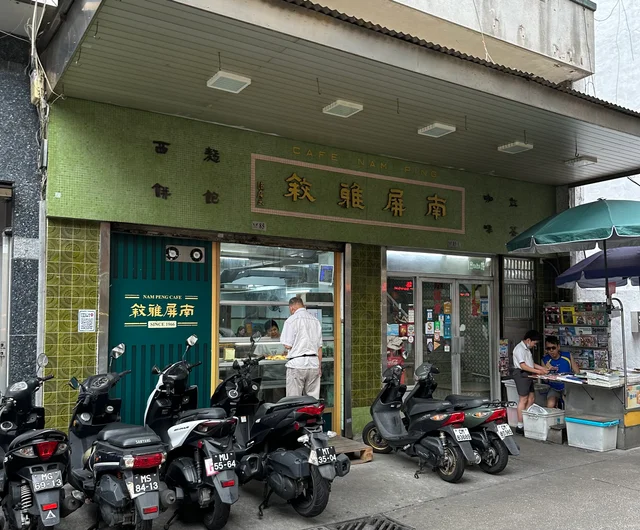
x: 47, y: 481
x: 462, y: 435
x: 504, y: 430
x: 322, y: 456
x: 143, y: 483
x: 219, y: 463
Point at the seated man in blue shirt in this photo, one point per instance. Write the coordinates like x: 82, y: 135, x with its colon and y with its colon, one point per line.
x: 560, y: 363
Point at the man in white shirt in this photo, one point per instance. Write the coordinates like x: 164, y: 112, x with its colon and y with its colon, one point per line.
x: 523, y: 368
x: 302, y: 339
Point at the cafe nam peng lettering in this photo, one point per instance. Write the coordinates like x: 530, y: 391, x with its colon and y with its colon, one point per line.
x: 158, y: 311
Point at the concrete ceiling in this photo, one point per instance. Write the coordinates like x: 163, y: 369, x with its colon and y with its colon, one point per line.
x: 157, y: 55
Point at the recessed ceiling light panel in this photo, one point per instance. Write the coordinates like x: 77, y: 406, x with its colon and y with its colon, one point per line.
x: 583, y: 160
x: 436, y: 130
x: 515, y: 147
x: 229, y: 82
x: 342, y: 108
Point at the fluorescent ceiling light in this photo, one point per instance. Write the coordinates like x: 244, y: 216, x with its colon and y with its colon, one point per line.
x: 342, y: 108
x: 229, y: 82
x: 515, y: 147
x: 579, y: 161
x: 436, y: 130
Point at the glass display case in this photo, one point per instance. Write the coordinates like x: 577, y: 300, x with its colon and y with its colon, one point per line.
x: 256, y: 283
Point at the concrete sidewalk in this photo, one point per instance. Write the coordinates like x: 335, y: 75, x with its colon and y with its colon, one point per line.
x: 549, y: 486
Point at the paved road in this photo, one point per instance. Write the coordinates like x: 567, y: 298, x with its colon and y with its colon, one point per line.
x: 548, y: 486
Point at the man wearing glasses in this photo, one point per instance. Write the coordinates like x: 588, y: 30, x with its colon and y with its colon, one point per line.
x: 560, y: 363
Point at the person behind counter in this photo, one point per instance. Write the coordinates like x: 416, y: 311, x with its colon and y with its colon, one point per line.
x: 563, y: 363
x: 523, y: 368
x: 272, y: 346
x: 302, y: 338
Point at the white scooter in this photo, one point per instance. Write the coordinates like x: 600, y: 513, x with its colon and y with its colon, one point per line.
x: 201, y: 462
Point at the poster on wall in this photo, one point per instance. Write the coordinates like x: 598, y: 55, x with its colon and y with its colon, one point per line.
x: 484, y: 306
x: 429, y: 328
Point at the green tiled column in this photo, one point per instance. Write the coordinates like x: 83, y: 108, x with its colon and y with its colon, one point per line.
x: 73, y: 250
x: 365, y: 330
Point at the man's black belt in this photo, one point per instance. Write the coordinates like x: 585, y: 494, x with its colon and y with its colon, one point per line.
x: 307, y: 355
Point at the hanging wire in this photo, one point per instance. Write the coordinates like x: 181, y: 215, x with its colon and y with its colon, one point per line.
x: 318, y: 83
x: 487, y: 57
x: 219, y: 61
x: 626, y: 20
x: 398, y: 105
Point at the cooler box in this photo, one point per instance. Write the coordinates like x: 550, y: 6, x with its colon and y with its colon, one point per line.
x: 594, y: 433
x: 512, y: 395
x: 538, y: 421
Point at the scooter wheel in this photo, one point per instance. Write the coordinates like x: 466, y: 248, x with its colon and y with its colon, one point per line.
x: 316, y: 496
x: 452, y: 468
x: 496, y: 457
x: 372, y: 438
x: 216, y: 516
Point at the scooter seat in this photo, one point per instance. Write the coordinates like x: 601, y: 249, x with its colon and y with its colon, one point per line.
x: 285, y: 402
x: 123, y: 435
x: 467, y: 402
x: 211, y: 413
x: 424, y: 406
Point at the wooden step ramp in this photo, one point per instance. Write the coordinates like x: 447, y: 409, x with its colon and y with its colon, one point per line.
x: 358, y: 452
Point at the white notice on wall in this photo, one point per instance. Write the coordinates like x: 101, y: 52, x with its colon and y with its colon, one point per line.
x: 86, y: 321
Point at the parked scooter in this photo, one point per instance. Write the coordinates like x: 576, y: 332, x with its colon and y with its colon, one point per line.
x: 432, y: 430
x: 201, y: 464
x: 35, y: 461
x: 280, y: 443
x: 116, y: 466
x: 491, y: 437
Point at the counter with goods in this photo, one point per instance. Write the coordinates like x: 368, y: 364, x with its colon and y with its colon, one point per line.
x: 272, y: 369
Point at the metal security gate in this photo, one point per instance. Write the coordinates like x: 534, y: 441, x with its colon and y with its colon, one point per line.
x: 161, y: 292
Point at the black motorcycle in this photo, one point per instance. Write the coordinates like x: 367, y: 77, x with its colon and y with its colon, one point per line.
x: 201, y: 463
x: 431, y: 430
x: 116, y: 466
x: 280, y: 443
x: 491, y: 436
x: 35, y: 461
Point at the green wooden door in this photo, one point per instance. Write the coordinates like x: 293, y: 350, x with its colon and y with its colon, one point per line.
x: 161, y: 292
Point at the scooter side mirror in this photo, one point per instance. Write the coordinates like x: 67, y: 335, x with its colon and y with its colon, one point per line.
x: 192, y: 341
x: 118, y: 351
x: 155, y: 370
x: 74, y: 383
x: 42, y: 360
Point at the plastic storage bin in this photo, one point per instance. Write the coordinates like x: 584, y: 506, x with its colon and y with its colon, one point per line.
x: 512, y: 395
x: 537, y: 424
x: 592, y: 432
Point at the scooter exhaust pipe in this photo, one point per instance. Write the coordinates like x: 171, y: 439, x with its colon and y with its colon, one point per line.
x: 167, y: 497
x: 69, y: 505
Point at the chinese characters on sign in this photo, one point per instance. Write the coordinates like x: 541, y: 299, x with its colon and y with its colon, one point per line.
x: 161, y: 147
x: 513, y: 231
x: 351, y: 196
x: 171, y: 310
x: 211, y: 155
x: 395, y: 202
x: 436, y: 206
x: 162, y: 192
x: 513, y: 203
x: 298, y: 188
x: 211, y: 197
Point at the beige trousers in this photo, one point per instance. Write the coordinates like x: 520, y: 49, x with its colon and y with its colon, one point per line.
x: 303, y: 382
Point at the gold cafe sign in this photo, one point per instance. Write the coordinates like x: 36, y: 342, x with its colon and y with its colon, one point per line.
x: 295, y: 188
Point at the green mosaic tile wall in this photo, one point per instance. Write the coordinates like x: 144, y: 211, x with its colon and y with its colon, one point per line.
x: 366, y: 342
x: 73, y: 250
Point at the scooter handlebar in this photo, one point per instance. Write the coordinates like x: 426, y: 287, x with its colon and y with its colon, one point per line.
x: 192, y: 366
x: 46, y: 378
